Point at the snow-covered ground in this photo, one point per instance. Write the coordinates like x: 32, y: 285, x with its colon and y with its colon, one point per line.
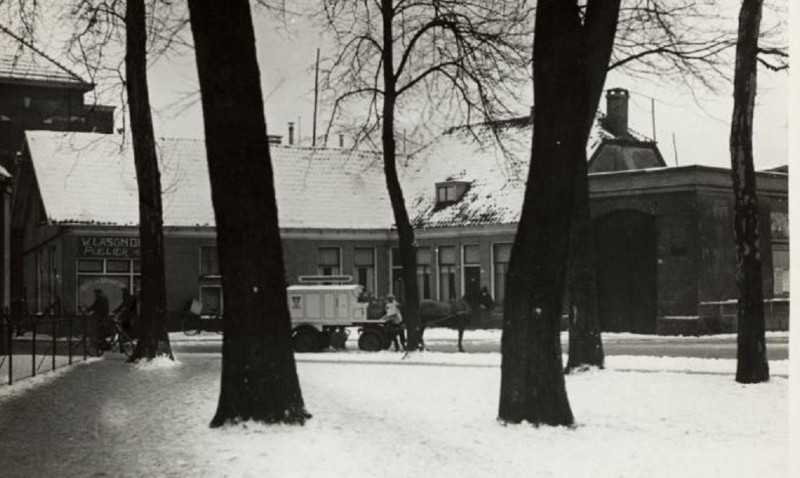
x: 432, y: 414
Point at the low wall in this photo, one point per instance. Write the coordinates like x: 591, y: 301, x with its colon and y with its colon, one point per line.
x: 721, y: 318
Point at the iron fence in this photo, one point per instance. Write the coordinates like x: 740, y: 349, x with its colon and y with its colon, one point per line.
x: 35, y: 344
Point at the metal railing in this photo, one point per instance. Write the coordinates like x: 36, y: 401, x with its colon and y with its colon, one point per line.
x: 34, y: 344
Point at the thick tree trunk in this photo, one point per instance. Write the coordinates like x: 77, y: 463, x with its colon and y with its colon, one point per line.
x: 752, y: 366
x: 259, y: 377
x: 585, y: 342
x: 153, y: 338
x: 405, y: 232
x: 570, y: 60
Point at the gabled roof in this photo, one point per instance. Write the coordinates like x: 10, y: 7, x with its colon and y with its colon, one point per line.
x: 24, y: 64
x: 90, y: 178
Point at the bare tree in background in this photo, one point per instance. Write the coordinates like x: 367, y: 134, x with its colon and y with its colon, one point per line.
x: 259, y: 377
x: 99, y: 24
x: 752, y: 365
x: 464, y: 57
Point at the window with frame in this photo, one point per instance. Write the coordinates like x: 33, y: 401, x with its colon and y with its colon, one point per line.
x: 501, y: 254
x: 211, y: 297
x: 328, y: 261
x: 424, y: 272
x: 397, y: 275
x: 780, y: 269
x: 209, y: 261
x: 446, y: 194
x: 447, y: 273
x: 364, y: 264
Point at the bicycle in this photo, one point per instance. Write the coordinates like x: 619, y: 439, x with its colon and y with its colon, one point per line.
x: 118, y: 339
x: 195, y: 321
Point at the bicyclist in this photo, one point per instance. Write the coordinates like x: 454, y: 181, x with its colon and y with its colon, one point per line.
x: 103, y: 326
x: 126, y: 311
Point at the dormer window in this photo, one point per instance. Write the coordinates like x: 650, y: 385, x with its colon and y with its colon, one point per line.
x: 450, y: 192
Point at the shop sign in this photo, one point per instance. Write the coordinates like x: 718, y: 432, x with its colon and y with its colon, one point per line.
x: 121, y: 247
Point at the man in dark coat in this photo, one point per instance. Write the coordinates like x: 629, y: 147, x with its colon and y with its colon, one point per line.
x: 99, y: 311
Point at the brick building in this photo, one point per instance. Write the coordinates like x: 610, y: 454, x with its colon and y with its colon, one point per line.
x: 664, y: 234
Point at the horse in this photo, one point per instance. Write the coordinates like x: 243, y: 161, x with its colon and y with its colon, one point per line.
x: 455, y: 313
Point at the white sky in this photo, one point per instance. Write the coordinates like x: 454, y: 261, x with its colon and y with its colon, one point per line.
x: 699, y: 122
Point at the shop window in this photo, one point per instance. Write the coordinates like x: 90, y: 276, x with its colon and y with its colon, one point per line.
x: 108, y: 275
x: 90, y: 265
x: 118, y: 266
x: 209, y: 261
x: 328, y: 261
x: 447, y: 273
x: 364, y: 263
x: 501, y: 254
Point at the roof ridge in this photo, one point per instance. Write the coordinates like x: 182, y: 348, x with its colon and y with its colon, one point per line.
x: 42, y: 53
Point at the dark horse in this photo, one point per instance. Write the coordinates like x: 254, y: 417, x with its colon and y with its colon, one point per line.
x: 456, y: 313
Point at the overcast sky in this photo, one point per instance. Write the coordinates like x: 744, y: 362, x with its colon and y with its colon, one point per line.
x: 698, y: 122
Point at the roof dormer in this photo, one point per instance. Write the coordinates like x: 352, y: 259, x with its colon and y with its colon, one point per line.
x: 450, y: 192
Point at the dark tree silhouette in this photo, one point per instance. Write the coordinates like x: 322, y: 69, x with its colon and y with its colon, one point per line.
x: 153, y: 337
x: 571, y: 52
x: 259, y: 377
x: 752, y: 365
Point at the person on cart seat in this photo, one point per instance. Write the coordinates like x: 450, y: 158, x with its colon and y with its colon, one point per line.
x: 394, y: 321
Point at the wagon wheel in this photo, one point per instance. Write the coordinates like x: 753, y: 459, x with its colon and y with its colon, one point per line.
x: 306, y: 340
x: 371, y: 341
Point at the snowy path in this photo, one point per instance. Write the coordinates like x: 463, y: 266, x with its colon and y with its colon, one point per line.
x: 390, y: 420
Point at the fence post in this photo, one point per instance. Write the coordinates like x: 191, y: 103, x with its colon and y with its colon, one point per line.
x: 84, y: 337
x: 69, y: 340
x: 10, y: 338
x: 33, y: 349
x: 53, y: 327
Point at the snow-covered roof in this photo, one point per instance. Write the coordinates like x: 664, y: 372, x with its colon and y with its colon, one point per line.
x: 497, y: 173
x: 90, y: 178
x: 23, y: 63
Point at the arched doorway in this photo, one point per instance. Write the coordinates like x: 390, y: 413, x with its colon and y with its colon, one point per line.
x: 625, y: 243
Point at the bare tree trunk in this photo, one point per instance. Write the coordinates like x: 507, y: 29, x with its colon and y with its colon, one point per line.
x: 570, y: 60
x: 405, y: 233
x: 585, y: 342
x: 153, y: 338
x: 259, y: 377
x: 752, y: 366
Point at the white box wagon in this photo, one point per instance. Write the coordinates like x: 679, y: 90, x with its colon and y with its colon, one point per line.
x: 321, y: 315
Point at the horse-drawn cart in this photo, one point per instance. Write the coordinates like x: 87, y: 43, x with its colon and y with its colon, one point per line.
x: 322, y: 314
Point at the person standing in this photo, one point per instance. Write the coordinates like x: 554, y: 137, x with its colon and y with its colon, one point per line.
x: 394, y: 318
x: 99, y: 312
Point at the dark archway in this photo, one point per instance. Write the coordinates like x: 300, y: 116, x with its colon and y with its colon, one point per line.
x: 625, y: 244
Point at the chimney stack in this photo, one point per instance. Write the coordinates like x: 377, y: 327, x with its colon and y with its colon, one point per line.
x: 341, y: 140
x: 291, y: 133
x: 617, y: 111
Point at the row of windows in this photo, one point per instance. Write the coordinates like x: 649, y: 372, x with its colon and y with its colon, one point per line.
x: 329, y: 262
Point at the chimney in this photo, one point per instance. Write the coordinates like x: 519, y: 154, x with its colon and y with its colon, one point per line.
x: 617, y: 111
x: 341, y: 140
x: 291, y: 133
